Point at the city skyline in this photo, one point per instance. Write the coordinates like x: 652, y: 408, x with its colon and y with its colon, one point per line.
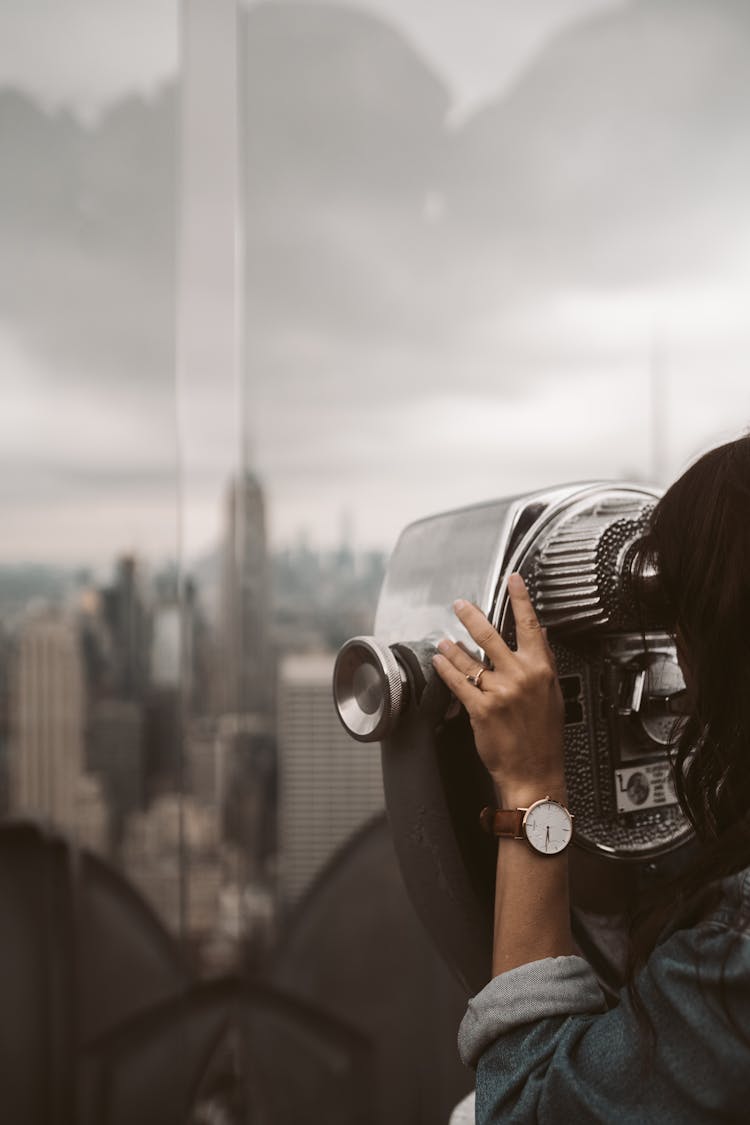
x: 147, y: 728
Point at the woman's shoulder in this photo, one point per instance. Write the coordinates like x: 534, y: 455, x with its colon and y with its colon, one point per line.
x: 722, y: 905
x: 732, y: 904
x: 705, y: 961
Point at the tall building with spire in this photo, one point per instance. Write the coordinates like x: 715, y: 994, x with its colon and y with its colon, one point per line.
x: 248, y: 670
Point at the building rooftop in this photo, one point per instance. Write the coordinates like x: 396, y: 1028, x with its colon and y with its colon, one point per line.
x: 314, y: 668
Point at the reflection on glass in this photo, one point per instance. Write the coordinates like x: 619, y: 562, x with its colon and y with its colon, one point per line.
x: 89, y: 601
x: 401, y: 259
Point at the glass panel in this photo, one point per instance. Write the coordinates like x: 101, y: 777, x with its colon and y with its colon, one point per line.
x: 88, y: 593
x: 278, y: 279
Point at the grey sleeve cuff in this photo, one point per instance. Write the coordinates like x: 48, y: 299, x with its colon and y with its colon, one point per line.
x: 555, y: 986
x: 465, y: 1111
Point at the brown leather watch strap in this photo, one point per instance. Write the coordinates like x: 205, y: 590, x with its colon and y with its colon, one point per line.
x: 503, y: 822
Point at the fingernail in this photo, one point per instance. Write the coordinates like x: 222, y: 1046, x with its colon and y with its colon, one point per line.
x: 516, y: 583
x: 444, y: 645
x: 459, y: 604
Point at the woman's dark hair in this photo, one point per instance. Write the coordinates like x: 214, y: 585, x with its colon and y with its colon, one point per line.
x: 699, y: 546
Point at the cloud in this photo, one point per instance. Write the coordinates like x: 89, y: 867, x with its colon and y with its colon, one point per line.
x: 420, y: 298
x: 110, y: 49
x: 615, y: 159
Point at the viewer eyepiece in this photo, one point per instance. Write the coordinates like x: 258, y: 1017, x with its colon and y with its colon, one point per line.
x: 369, y: 689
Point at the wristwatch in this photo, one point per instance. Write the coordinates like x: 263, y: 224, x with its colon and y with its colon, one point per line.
x: 546, y: 826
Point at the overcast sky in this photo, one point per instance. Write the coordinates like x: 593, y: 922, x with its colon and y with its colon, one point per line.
x: 85, y: 54
x: 475, y: 240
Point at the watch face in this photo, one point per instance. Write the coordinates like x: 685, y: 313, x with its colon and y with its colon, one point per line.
x: 548, y: 826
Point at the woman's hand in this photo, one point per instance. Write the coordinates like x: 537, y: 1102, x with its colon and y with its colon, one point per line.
x: 516, y: 711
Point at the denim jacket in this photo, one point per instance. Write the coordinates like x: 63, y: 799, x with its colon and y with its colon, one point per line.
x: 546, y: 1050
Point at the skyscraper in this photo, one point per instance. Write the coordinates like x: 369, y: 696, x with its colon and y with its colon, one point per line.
x: 329, y: 785
x: 47, y: 719
x: 245, y: 594
x: 115, y: 753
x: 129, y: 626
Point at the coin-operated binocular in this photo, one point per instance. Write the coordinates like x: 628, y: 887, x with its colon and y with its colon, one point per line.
x: 576, y: 547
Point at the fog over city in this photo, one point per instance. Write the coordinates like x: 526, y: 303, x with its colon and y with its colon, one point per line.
x: 465, y: 274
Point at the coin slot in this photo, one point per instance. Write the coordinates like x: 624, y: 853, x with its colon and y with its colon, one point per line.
x: 572, y: 692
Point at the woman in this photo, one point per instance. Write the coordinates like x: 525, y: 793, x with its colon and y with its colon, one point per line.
x: 677, y: 1046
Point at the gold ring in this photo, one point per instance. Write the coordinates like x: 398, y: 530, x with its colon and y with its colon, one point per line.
x: 475, y: 677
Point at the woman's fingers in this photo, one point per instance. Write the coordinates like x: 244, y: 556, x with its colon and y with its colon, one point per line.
x: 455, y: 658
x: 460, y: 658
x: 516, y: 710
x: 454, y: 678
x: 529, y: 633
x: 479, y: 628
x: 454, y: 664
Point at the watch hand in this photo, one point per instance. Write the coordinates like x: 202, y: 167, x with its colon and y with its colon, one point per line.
x: 546, y: 841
